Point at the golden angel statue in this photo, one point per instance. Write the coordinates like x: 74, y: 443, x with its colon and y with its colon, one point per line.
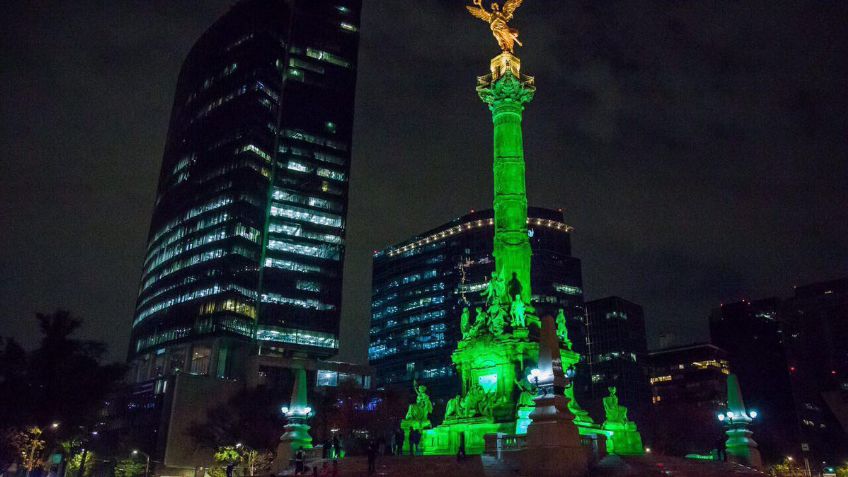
x: 497, y: 20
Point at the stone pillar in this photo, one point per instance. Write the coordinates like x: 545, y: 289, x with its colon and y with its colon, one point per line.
x: 553, y: 442
x: 296, y: 431
x: 506, y: 91
x: 741, y: 447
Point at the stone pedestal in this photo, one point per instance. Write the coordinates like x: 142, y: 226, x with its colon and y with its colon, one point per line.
x: 741, y: 448
x: 625, y: 439
x: 553, y: 443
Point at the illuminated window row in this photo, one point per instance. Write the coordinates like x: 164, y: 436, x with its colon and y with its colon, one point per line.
x: 192, y: 295
x: 291, y: 266
x: 307, y: 285
x: 297, y: 213
x: 440, y: 372
x: 181, y: 264
x: 328, y: 252
x: 215, y: 235
x: 306, y: 65
x: 255, y: 150
x: 330, y: 174
x: 298, y: 302
x: 236, y: 306
x: 568, y: 289
x: 316, y: 202
x: 300, y: 337
x: 183, y: 163
x: 296, y: 230
x: 213, y: 204
x: 216, y: 103
x: 313, y: 139
x: 615, y: 355
x: 422, y: 302
x: 411, y: 278
x: 310, y: 154
x: 382, y: 350
x: 159, y: 291
x: 438, y: 236
x: 380, y: 302
x: 181, y: 232
x: 328, y: 57
x: 161, y: 337
x: 163, y: 305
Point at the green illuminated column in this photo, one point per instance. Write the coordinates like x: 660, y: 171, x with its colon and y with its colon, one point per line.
x: 506, y: 91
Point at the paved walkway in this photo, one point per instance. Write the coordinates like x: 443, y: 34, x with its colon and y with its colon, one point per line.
x: 487, y: 466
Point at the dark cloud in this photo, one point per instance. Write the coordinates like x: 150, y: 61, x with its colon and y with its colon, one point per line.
x: 699, y: 149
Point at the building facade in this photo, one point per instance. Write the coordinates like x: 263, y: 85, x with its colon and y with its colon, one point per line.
x: 243, y: 271
x: 753, y: 336
x: 616, y: 349
x: 688, y: 384
x: 248, y: 230
x: 421, y: 285
x: 815, y: 321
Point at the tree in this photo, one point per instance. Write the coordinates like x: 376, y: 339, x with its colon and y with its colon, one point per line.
x: 67, y: 381
x: 251, y: 417
x: 72, y: 470
x: 129, y: 468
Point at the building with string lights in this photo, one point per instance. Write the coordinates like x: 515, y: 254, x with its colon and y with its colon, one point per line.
x: 421, y: 285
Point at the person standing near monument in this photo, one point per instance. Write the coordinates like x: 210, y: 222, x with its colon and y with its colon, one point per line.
x: 460, y: 453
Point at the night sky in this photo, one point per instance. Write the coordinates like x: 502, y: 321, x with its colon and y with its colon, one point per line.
x: 700, y: 149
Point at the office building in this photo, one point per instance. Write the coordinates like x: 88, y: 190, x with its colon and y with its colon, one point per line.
x: 421, y: 285
x: 616, y: 348
x: 815, y: 321
x: 248, y: 230
x: 688, y: 384
x: 243, y: 270
x: 753, y: 336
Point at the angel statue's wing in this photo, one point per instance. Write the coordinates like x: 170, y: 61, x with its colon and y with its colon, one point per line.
x: 480, y: 13
x: 510, y: 7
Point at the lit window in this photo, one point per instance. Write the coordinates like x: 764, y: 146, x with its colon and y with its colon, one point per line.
x: 200, y: 357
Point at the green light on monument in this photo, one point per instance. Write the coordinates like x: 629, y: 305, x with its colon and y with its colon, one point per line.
x: 496, y: 355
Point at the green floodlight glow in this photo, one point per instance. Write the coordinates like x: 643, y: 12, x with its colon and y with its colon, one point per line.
x: 489, y: 382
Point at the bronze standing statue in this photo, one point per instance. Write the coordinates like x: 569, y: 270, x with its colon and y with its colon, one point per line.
x: 497, y: 20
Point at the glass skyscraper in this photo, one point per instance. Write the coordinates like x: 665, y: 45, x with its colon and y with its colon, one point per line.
x: 248, y: 230
x: 421, y: 285
x: 617, y: 347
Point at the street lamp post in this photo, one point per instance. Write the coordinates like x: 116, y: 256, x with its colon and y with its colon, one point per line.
x: 147, y: 463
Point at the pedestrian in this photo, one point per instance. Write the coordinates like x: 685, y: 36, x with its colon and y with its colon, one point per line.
x: 721, y: 450
x: 460, y: 453
x: 372, y: 457
x: 414, y: 438
x: 299, y: 458
x: 399, y: 437
x: 336, y: 446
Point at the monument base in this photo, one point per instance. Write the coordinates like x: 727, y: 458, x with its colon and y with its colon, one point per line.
x: 742, y: 449
x: 444, y: 439
x: 625, y: 439
x: 553, y: 449
x: 553, y: 442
